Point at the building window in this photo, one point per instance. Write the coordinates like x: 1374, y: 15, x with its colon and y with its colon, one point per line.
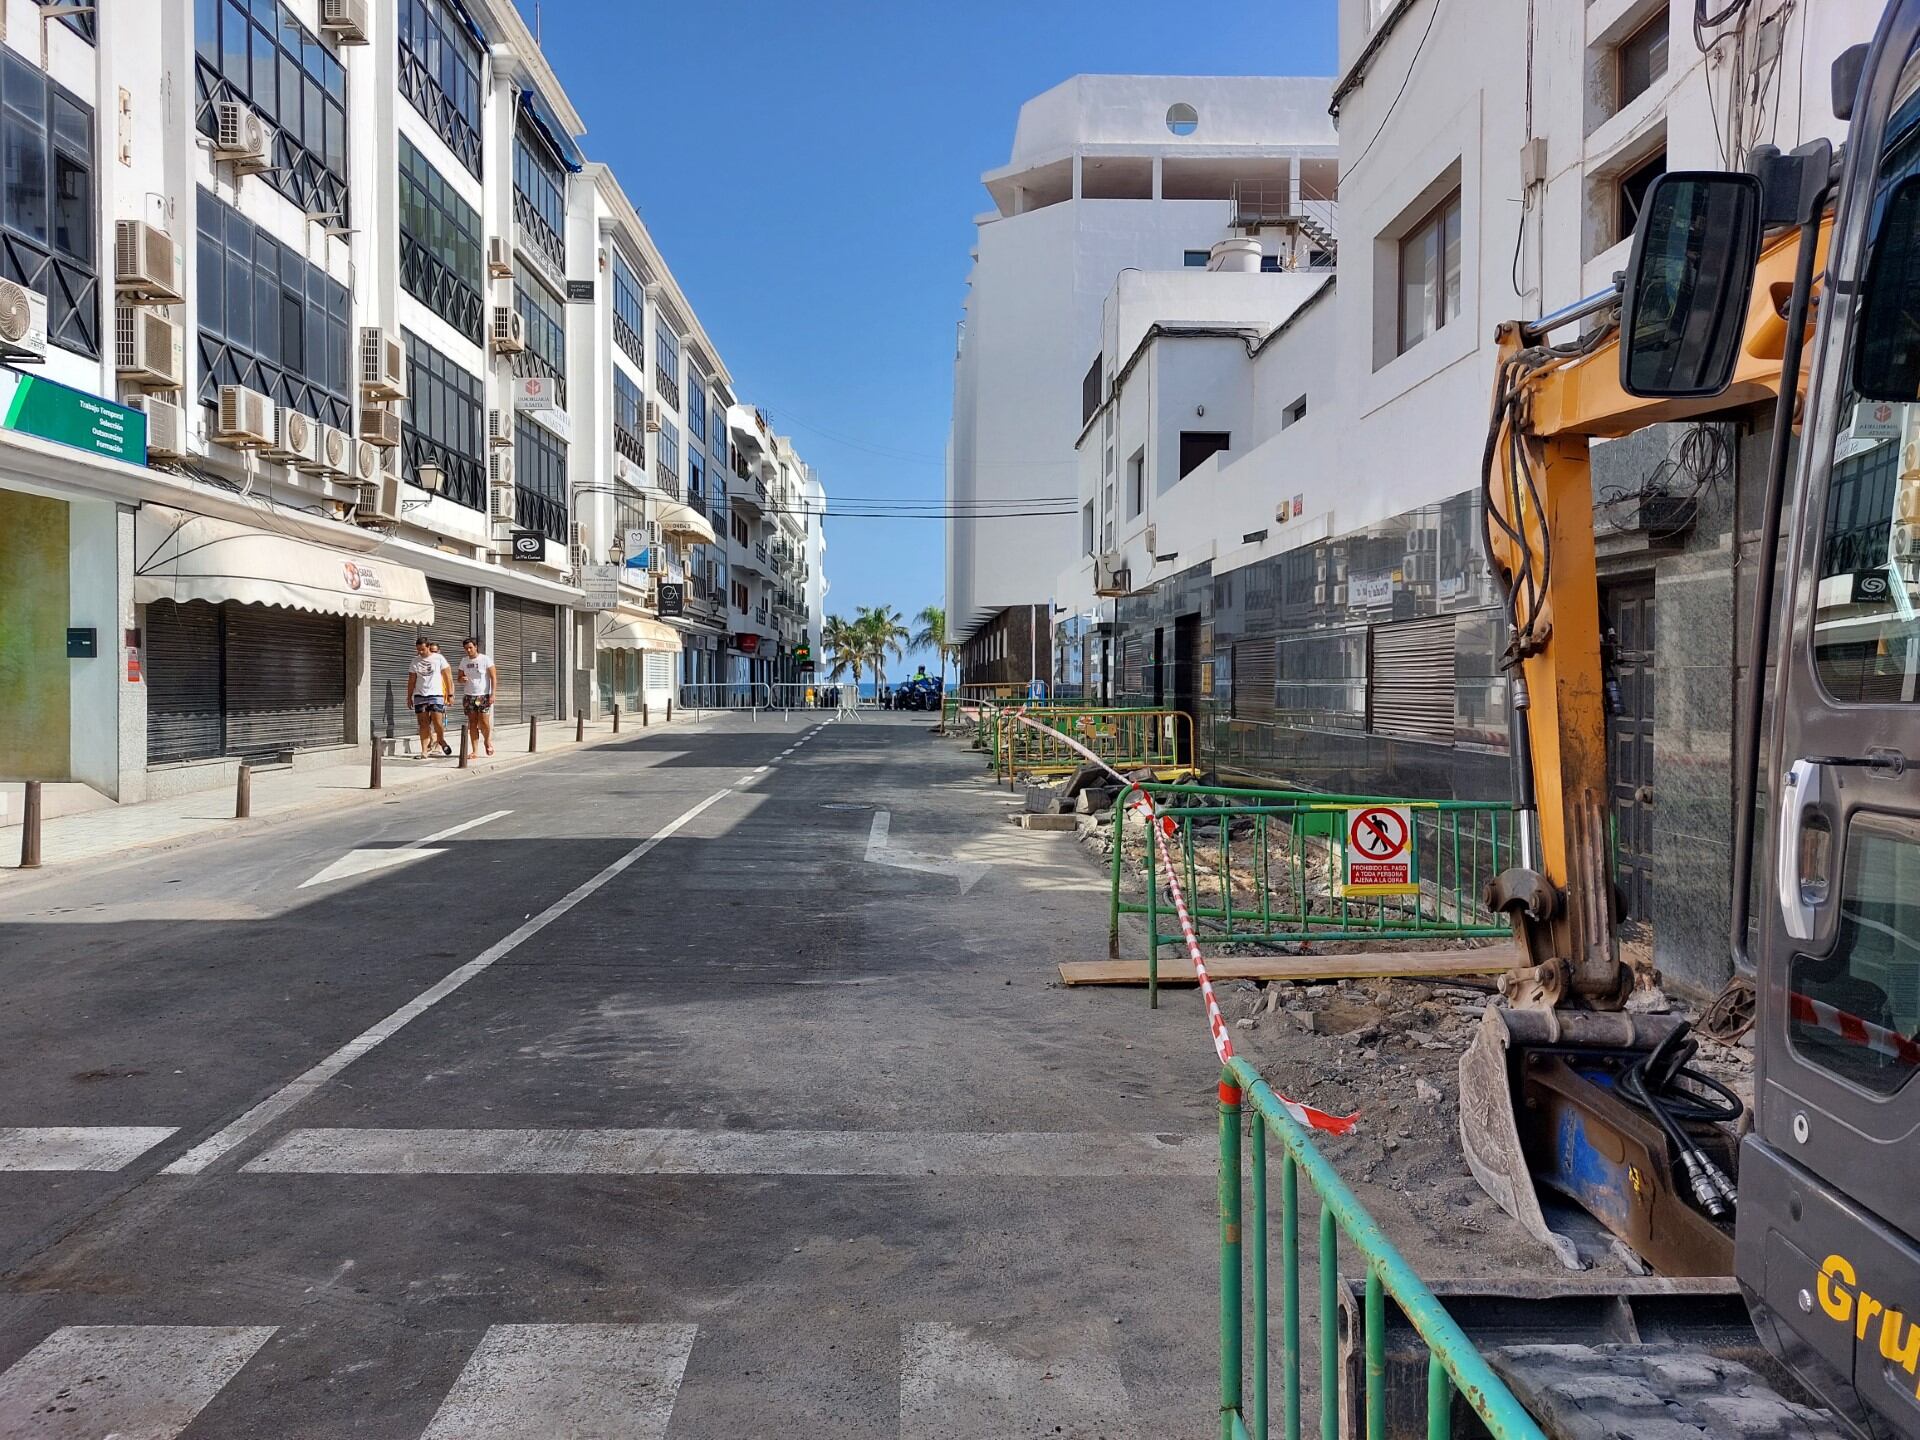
x: 1430, y: 273
x: 629, y: 311
x: 1643, y: 59
x: 1633, y: 188
x: 1182, y: 119
x: 628, y: 424
x: 666, y: 370
x: 445, y: 410
x: 1136, y: 483
x: 1196, y: 259
x: 696, y: 477
x: 539, y: 479
x: 269, y: 320
x: 1269, y: 264
x: 545, y: 324
x: 440, y: 74
x: 46, y: 202
x: 666, y: 466
x: 440, y: 255
x: 1197, y: 445
x: 85, y: 25
x: 717, y: 438
x: 697, y: 412
x: 540, y: 198
x: 1294, y: 413
x: 261, y: 54
x: 1090, y: 392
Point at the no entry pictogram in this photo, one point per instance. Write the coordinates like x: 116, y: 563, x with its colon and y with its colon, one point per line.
x: 1379, y: 851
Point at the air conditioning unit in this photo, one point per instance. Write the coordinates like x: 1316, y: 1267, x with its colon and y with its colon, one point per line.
x: 509, y: 331
x: 146, y: 263
x: 166, y: 426
x: 345, y: 20
x: 656, y: 558
x: 243, y: 418
x: 578, y: 558
x: 241, y: 138
x: 500, y: 502
x: 652, y: 415
x: 379, y: 427
x: 576, y: 536
x: 500, y: 473
x: 1111, y: 575
x: 147, y: 348
x: 369, y: 463
x: 383, y: 365
x: 293, y: 436
x: 380, y: 502
x: 500, y: 425
x: 333, y: 452
x: 23, y: 323
x: 499, y: 257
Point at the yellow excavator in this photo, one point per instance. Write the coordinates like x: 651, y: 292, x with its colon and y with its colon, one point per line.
x: 1790, y: 288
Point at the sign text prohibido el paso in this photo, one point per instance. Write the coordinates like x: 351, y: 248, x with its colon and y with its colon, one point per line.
x: 1378, y: 851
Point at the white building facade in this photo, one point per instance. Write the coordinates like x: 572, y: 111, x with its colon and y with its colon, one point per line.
x: 328, y: 336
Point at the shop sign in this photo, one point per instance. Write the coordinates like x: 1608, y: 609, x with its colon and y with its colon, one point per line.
x: 529, y: 545
x: 1875, y: 420
x: 35, y: 405
x: 600, y: 587
x: 673, y: 598
x: 746, y: 642
x: 539, y: 397
x: 1370, y: 589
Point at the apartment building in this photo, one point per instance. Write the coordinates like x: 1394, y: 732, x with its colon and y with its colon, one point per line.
x: 1108, y: 175
x: 321, y: 332
x: 1315, y: 586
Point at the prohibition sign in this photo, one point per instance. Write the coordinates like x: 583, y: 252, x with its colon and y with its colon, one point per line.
x: 1378, y: 833
x: 1379, y: 859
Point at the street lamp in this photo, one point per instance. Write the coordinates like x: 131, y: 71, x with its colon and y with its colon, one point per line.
x: 430, y: 478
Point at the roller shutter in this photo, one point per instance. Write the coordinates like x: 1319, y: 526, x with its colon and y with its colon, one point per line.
x: 526, y: 656
x: 391, y: 652
x: 185, y: 716
x: 1133, y: 669
x: 1410, y: 690
x: 1255, y: 679
x: 286, y: 673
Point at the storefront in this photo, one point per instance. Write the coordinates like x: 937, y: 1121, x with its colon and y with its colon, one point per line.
x: 526, y: 659
x: 391, y: 652
x: 249, y: 634
x: 635, y: 656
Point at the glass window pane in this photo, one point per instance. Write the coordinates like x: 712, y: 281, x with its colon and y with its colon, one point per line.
x: 1414, y: 307
x: 261, y: 89
x: 73, y: 209
x: 240, y: 305
x: 234, y: 38
x: 206, y: 30
x: 212, y: 280
x: 1450, y: 262
x: 25, y: 177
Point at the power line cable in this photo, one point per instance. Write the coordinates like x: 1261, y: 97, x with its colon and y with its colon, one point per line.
x: 1380, y: 129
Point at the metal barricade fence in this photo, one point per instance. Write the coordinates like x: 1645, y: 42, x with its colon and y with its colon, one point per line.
x: 1263, y: 867
x: 743, y: 695
x: 1458, y: 1376
x: 1125, y: 738
x: 799, y: 695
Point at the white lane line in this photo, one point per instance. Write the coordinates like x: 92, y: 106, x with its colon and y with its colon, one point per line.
x: 612, y: 1382
x: 298, y: 1089
x: 130, y: 1382
x: 77, y: 1147
x: 735, y: 1152
x: 961, y: 1383
x: 453, y: 830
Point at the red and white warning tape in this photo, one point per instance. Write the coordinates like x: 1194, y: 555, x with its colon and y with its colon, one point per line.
x: 1808, y: 1011
x: 1160, y: 827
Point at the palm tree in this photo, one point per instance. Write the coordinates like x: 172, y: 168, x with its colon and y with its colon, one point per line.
x: 881, y: 635
x: 845, y: 654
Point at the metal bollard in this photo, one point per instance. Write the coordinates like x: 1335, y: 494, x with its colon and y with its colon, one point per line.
x: 466, y: 744
x: 30, y: 829
x: 616, y: 719
x: 533, y: 733
x: 243, y: 793
x: 580, y: 726
x: 669, y: 710
x: 373, y: 775
x: 646, y: 718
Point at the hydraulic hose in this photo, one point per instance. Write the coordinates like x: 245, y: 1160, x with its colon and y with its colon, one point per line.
x: 1654, y: 1084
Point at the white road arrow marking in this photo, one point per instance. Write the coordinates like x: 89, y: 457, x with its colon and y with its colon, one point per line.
x: 881, y: 851
x: 366, y: 862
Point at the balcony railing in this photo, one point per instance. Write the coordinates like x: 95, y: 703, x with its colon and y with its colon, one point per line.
x: 542, y: 241
x: 667, y: 388
x: 629, y: 444
x: 760, y: 553
x: 667, y: 479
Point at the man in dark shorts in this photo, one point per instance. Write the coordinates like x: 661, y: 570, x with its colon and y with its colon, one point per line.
x: 429, y: 687
x: 477, y: 679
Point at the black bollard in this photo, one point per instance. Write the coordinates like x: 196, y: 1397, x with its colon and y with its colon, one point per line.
x: 373, y: 771
x: 533, y: 733
x: 243, y: 792
x: 30, y: 829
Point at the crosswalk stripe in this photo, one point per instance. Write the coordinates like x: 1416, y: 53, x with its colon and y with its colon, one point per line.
x: 77, y: 1147
x: 734, y: 1152
x: 131, y: 1382
x: 957, y: 1383
x: 608, y: 1382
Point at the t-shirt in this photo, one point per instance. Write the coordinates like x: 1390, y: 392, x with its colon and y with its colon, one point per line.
x: 473, y: 675
x: 428, y: 671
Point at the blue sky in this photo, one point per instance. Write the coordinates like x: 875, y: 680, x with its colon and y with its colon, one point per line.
x: 811, y: 169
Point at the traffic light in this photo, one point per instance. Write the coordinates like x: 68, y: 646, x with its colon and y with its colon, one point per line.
x: 803, y: 653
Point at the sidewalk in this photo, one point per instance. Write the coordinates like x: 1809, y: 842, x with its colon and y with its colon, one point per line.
x: 281, y: 793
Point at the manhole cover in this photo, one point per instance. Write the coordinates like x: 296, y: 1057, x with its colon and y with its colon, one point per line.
x: 846, y: 805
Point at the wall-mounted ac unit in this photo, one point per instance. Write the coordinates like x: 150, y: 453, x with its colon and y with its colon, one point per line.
x: 500, y: 473
x: 509, y: 331
x: 23, y: 323
x: 166, y: 426
x: 146, y: 264
x: 243, y: 418
x: 500, y: 425
x: 147, y: 348
x: 293, y: 436
x: 380, y: 502
x: 656, y: 558
x: 499, y: 257
x: 651, y: 415
x: 241, y: 138
x: 369, y: 463
x: 345, y: 20
x: 380, y: 427
x: 500, y: 502
x: 333, y: 452
x: 383, y: 365
x: 1111, y: 575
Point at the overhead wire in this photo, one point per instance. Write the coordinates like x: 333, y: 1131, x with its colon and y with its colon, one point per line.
x: 1380, y: 129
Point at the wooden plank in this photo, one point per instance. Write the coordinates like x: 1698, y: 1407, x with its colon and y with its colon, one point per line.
x: 1348, y: 965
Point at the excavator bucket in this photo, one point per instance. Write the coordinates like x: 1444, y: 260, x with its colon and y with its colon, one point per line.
x: 1541, y: 1110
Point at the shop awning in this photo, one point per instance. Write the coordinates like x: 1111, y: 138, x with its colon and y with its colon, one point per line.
x: 679, y: 519
x: 626, y: 630
x: 181, y: 556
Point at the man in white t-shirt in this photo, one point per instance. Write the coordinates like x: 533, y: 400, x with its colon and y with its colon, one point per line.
x: 429, y: 688
x: 477, y: 679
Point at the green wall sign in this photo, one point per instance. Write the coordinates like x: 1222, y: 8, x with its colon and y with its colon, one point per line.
x: 35, y: 405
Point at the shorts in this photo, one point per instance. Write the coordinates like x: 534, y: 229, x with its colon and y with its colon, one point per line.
x: 477, y: 704
x: 430, y: 707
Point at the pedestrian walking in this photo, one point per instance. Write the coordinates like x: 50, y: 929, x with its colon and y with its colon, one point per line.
x: 429, y: 688
x: 477, y: 679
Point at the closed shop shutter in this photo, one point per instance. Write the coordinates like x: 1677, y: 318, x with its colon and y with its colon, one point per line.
x: 506, y: 654
x: 1255, y: 677
x: 185, y: 720
x: 391, y: 652
x: 1133, y: 669
x: 1411, y: 680
x: 526, y: 654
x: 659, y: 670
x: 286, y: 674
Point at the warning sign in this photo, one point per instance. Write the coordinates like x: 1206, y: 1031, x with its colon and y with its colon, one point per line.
x: 1379, y: 851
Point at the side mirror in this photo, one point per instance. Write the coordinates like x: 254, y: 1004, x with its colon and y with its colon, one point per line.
x: 1689, y: 284
x: 1886, y: 363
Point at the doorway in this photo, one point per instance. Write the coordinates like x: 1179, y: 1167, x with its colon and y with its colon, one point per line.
x: 1628, y: 608
x: 1186, y: 683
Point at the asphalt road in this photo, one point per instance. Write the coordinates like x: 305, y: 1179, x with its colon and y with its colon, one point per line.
x: 659, y: 1090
